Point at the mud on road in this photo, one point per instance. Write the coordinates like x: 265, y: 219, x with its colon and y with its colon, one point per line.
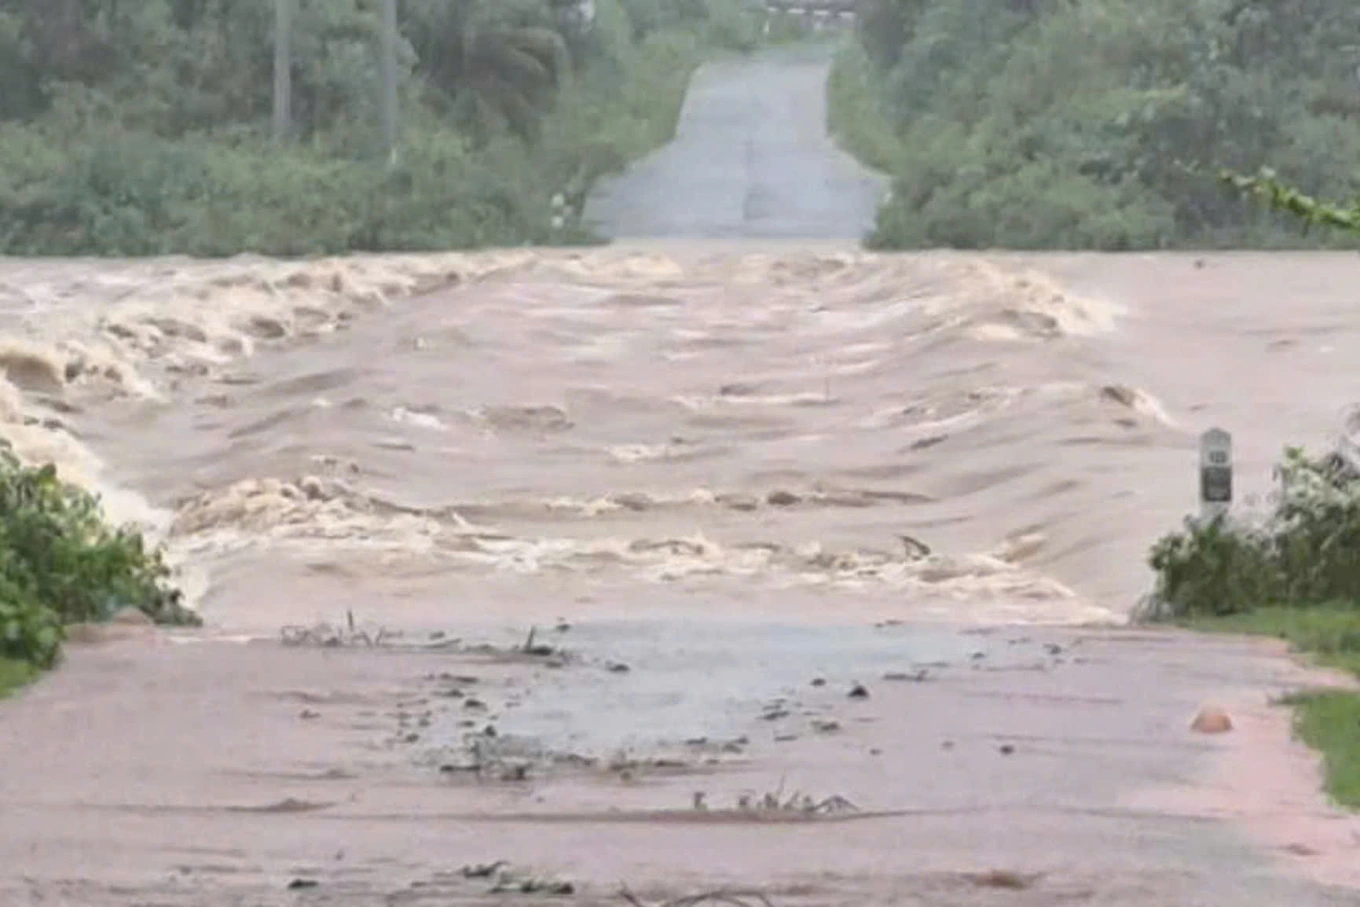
x: 977, y: 767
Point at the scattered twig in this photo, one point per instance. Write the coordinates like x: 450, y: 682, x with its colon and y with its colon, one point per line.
x: 532, y: 885
x: 349, y: 634
x: 732, y: 897
x: 796, y: 802
x: 507, y: 879
x: 540, y: 650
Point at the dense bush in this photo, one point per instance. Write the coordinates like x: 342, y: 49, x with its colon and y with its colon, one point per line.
x: 1100, y: 123
x: 1304, y: 551
x: 61, y: 563
x: 154, y: 137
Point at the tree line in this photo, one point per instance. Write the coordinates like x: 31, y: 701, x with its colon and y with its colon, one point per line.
x: 144, y: 126
x: 1099, y: 123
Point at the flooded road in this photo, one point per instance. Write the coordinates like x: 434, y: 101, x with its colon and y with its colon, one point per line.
x: 750, y: 159
x: 732, y: 466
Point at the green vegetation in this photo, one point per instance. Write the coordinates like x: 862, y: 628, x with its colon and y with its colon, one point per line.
x: 1327, y: 720
x: 144, y: 128
x: 1293, y: 573
x: 1331, y: 632
x: 14, y: 674
x: 1281, y: 197
x: 61, y: 563
x: 1304, y: 551
x: 1099, y: 123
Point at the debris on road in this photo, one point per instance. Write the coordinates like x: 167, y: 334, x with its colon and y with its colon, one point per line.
x: 918, y: 676
x: 1211, y: 720
x: 728, y: 897
x: 1004, y: 878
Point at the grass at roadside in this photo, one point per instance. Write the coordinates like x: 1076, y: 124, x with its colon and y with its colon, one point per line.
x: 14, y: 674
x: 1330, y: 633
x: 1327, y: 720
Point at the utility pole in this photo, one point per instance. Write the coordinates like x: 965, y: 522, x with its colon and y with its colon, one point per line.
x: 389, y: 78
x: 283, y: 69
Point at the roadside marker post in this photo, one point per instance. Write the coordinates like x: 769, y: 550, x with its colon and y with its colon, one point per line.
x: 1215, y: 474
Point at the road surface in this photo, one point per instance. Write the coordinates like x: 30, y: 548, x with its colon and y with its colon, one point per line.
x: 751, y: 159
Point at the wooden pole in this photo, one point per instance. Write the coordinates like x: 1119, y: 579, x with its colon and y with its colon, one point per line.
x: 283, y: 69
x: 389, y: 77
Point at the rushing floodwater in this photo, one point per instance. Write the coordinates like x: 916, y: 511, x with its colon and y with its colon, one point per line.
x: 740, y: 427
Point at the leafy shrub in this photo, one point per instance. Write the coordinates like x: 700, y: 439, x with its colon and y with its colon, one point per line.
x: 1306, y: 550
x: 61, y: 563
x: 1215, y: 569
x: 30, y: 632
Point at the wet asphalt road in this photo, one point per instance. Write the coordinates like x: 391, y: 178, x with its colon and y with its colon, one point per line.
x: 751, y: 159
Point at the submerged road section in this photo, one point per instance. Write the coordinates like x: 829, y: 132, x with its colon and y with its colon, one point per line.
x: 751, y: 159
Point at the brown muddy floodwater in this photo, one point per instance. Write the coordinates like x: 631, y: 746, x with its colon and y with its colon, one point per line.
x: 670, y: 426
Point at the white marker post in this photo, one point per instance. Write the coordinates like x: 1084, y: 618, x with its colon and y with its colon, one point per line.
x: 1215, y: 474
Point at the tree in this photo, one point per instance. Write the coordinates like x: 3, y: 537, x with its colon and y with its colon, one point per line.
x: 1101, y: 123
x: 495, y: 63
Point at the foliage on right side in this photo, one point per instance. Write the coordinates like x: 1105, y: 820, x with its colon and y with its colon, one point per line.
x: 1305, y: 551
x: 1098, y: 124
x: 1293, y: 574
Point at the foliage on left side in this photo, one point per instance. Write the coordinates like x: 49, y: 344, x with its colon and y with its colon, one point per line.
x: 144, y: 128
x: 61, y: 562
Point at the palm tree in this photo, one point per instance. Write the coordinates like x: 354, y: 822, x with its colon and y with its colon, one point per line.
x: 497, y: 62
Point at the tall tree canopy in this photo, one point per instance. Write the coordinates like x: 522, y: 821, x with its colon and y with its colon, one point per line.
x: 1080, y: 123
